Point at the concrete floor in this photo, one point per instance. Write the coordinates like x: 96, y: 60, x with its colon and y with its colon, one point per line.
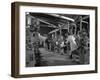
x: 54, y: 59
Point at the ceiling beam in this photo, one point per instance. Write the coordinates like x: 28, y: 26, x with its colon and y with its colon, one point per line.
x: 85, y: 22
x: 45, y: 22
x: 53, y: 31
x: 86, y: 17
x: 63, y: 17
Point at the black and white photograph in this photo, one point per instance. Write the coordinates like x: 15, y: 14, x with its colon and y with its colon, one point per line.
x: 52, y: 39
x: 57, y: 39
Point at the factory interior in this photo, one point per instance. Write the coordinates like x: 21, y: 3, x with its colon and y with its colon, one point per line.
x: 57, y: 39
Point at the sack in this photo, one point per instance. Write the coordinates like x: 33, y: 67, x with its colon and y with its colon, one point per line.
x: 77, y: 41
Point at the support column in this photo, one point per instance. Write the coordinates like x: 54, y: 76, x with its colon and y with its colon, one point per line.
x: 80, y: 23
x: 55, y: 35
x: 75, y: 28
x: 60, y: 29
x: 68, y: 26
